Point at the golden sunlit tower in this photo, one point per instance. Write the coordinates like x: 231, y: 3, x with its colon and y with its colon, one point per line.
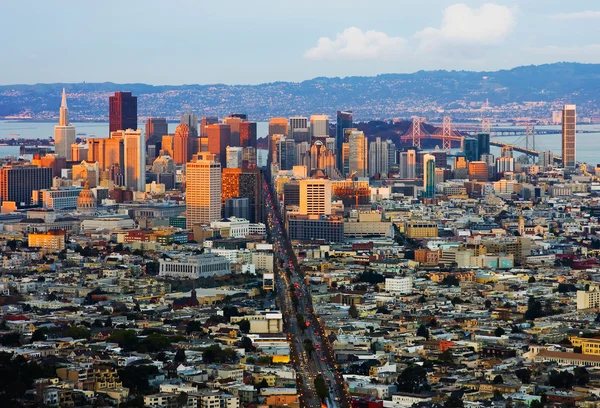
x: 185, y: 144
x: 203, y: 190
x: 358, y: 154
x: 219, y: 136
x: 64, y: 133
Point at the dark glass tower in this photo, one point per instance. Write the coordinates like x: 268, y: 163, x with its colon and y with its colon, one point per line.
x: 122, y: 111
x: 343, y: 121
x: 483, y: 144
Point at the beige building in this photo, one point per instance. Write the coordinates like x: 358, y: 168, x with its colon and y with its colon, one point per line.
x: 421, y: 229
x: 134, y: 145
x: 315, y: 197
x: 588, y: 299
x: 203, y: 190
x: 358, y: 154
x: 52, y: 240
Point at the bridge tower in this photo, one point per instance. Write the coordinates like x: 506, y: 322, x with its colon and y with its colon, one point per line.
x: 486, y: 125
x: 446, y: 133
x: 530, y: 141
x: 416, y: 131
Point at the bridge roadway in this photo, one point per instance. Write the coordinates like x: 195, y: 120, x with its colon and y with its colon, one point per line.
x: 321, y: 362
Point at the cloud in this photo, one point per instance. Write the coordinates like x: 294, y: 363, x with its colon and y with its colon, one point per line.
x: 577, y: 15
x: 355, y: 44
x: 467, y: 31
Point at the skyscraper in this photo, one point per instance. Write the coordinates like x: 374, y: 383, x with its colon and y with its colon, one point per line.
x: 234, y: 126
x: 203, y: 190
x: 569, y: 122
x: 219, y: 136
x: 248, y: 134
x: 122, y: 111
x: 315, y: 197
x: 471, y: 148
x: 207, y: 120
x: 283, y: 152
x: 156, y: 128
x: 245, y: 183
x: 378, y: 157
x: 134, y: 145
x: 64, y: 133
x: 234, y: 157
x: 107, y: 151
x: 319, y: 126
x: 17, y: 183
x: 408, y: 164
x: 185, y: 144
x: 191, y: 120
x: 483, y: 144
x: 358, y: 154
x: 278, y: 126
x: 428, y: 176
x: 299, y: 129
x: 343, y: 121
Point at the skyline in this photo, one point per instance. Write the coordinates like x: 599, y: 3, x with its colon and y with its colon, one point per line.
x: 336, y: 39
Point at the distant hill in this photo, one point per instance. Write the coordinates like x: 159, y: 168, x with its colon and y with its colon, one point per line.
x: 424, y: 93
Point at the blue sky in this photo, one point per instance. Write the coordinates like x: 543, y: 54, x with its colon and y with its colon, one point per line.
x: 254, y: 41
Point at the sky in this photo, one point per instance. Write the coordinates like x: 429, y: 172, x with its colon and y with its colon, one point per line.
x: 255, y: 41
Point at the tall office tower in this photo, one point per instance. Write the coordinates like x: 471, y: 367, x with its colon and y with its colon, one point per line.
x: 483, y: 143
x: 50, y: 161
x: 343, y: 122
x: 506, y: 151
x: 461, y: 170
x: 478, y: 171
x: 64, y: 133
x: 234, y: 157
x: 471, y: 148
x: 122, y: 111
x: 319, y: 126
x: 358, y: 154
x: 378, y: 157
x: 248, y: 134
x: 249, y: 157
x: 315, y: 197
x: 79, y: 151
x: 278, y: 126
x: 284, y: 152
x: 207, y: 120
x: 569, y: 122
x: 17, y: 183
x: 107, y: 151
x: 345, y: 158
x: 330, y: 144
x: 234, y: 126
x: 428, y: 176
x: 299, y: 129
x: 185, y: 144
x: 504, y: 164
x: 191, y: 120
x: 391, y: 149
x: 245, y: 183
x: 167, y: 145
x: 408, y: 164
x: 238, y: 207
x: 219, y: 136
x: 302, y: 153
x: 156, y: 128
x: 203, y: 190
x: 546, y: 159
x: 134, y: 145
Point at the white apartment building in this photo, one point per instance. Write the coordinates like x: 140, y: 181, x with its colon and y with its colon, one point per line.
x: 194, y: 267
x: 401, y: 285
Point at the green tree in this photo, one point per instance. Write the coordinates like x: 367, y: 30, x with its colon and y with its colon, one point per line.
x: 126, y: 339
x: 450, y: 280
x: 182, y: 399
x: 301, y: 321
x: 499, y: 332
x: 179, y: 356
x: 40, y: 334
x: 136, y: 377
x: 498, y: 379
x: 536, y: 404
x: 423, y: 331
x: 413, y: 380
x: 524, y: 375
x: 453, y: 401
x: 353, y: 311
x: 582, y: 377
x: 246, y: 343
x: 244, y: 325
x: 321, y: 387
x: 487, y: 303
x: 309, y: 347
x: 446, y: 357
x: 534, y: 309
x: 78, y: 332
x: 531, y: 279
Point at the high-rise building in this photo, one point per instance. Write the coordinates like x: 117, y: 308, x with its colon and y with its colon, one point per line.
x: 190, y: 120
x: 207, y: 120
x: 546, y: 158
x: 248, y: 134
x: 249, y: 157
x: 343, y: 122
x: 203, y: 190
x: 569, y: 122
x: 391, y: 149
x: 122, y: 111
x: 64, y: 133
x: 238, y: 207
x: 219, y: 136
x: 283, y: 152
x: 319, y: 126
x: 234, y: 126
x: 17, y: 183
x: 428, y: 176
x: 315, y: 197
x: 506, y: 151
x: 134, y: 166
x: 234, y: 157
x: 167, y: 145
x: 299, y: 129
x: 185, y: 144
x: 246, y: 183
x: 483, y: 143
x: 357, y: 162
x: 107, y: 151
x: 505, y: 164
x: 378, y: 157
x: 278, y: 126
x: 461, y: 170
x: 156, y: 128
x: 478, y: 171
x: 471, y: 148
x: 407, y: 164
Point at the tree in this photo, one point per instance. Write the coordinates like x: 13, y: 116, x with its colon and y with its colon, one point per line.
x: 78, y: 332
x: 309, y: 347
x: 246, y: 343
x: 182, y: 399
x: 531, y: 280
x: 423, y: 331
x: 450, y: 280
x: 321, y: 387
x: 413, y: 380
x: 301, y: 321
x: 582, y: 377
x: 536, y: 404
x: 12, y: 339
x: 499, y: 332
x: 261, y: 384
x: 534, y: 309
x: 487, y: 303
x: 371, y: 277
x: 446, y: 357
x: 244, y: 326
x: 126, y: 339
x: 561, y: 379
x: 179, y: 356
x: 353, y: 311
x: 498, y: 379
x: 524, y: 375
x: 40, y: 334
x: 136, y: 377
x: 454, y: 401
